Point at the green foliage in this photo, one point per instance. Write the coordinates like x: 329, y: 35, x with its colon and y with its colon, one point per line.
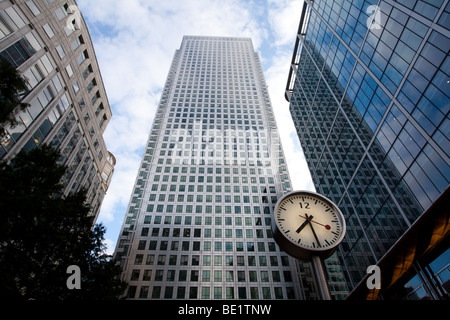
x: 11, y: 85
x: 42, y: 233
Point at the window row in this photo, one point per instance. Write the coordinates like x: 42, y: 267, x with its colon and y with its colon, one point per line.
x: 199, y: 198
x: 217, y: 170
x: 207, y: 221
x: 201, y: 179
x: 207, y: 233
x: 207, y: 246
x: 160, y: 208
x: 218, y: 260
x: 219, y: 292
x: 210, y: 276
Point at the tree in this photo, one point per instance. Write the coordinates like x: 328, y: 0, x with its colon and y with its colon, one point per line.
x: 11, y: 86
x: 42, y: 233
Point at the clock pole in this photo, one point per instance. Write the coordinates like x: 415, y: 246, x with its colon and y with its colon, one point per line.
x: 319, y: 275
x: 325, y: 227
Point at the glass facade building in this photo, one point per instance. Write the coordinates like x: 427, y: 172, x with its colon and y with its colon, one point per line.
x: 369, y: 95
x: 49, y: 44
x: 198, y: 225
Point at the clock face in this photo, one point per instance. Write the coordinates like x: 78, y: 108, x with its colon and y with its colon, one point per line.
x: 309, y: 221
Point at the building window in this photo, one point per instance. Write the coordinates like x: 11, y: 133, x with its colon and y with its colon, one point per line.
x: 87, y: 71
x: 77, y: 43
x: 76, y: 87
x: 48, y: 30
x: 5, y: 30
x: 156, y: 292
x: 91, y: 85
x: 61, y: 12
x: 102, y: 121
x: 95, y: 98
x: 33, y: 8
x: 69, y: 71
x: 18, y: 53
x: 83, y: 56
x: 60, y: 51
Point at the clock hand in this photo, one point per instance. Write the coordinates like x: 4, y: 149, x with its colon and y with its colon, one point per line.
x: 312, y: 229
x: 303, y: 225
x: 320, y: 224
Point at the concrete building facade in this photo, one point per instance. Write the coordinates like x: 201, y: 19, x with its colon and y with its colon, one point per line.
x: 49, y: 44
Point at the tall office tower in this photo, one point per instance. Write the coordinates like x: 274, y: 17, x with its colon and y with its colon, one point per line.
x: 198, y: 225
x: 49, y: 44
x: 369, y: 95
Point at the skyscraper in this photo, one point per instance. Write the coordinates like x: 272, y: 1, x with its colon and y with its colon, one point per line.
x: 49, y: 44
x: 198, y: 225
x: 369, y: 95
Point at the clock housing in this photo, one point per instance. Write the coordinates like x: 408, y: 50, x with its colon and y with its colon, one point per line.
x: 306, y: 223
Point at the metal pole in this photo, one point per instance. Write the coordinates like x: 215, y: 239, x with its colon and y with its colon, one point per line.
x: 319, y: 275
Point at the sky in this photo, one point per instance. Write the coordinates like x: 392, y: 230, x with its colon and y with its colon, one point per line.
x: 135, y: 41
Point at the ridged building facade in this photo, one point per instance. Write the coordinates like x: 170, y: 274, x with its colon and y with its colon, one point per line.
x: 49, y: 44
x: 198, y: 225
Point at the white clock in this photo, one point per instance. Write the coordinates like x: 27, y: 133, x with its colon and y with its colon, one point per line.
x: 306, y: 223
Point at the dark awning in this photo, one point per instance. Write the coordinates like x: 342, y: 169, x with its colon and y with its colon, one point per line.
x: 428, y: 235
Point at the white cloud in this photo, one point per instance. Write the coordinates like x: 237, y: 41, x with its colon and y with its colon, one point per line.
x: 284, y: 17
x: 276, y: 77
x: 110, y: 246
x: 135, y: 41
x: 119, y: 191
